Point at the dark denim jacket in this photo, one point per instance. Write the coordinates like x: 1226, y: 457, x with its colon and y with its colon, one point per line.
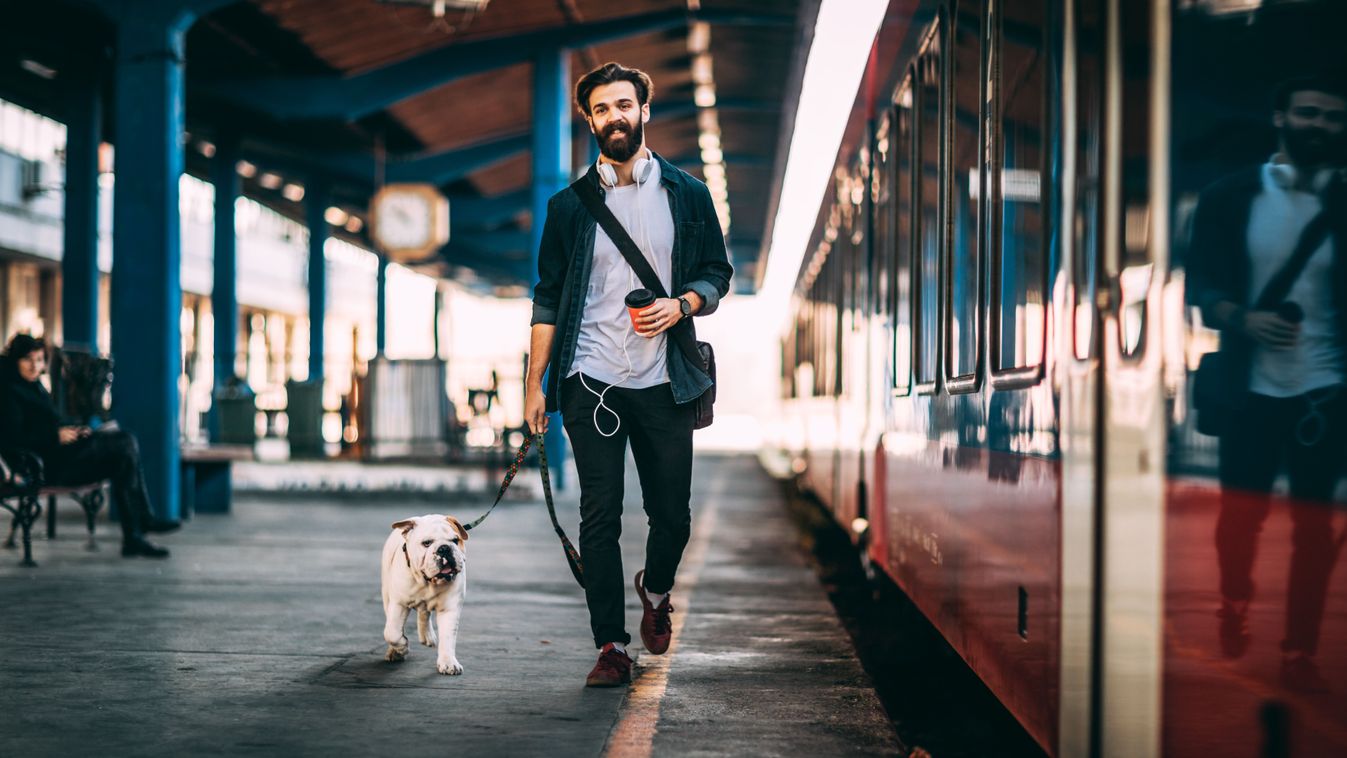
x: 1219, y: 265
x: 566, y: 257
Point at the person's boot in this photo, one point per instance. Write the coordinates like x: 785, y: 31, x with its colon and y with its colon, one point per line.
x: 154, y: 525
x: 139, y: 546
x: 612, y: 669
x: 1234, y: 627
x: 656, y: 626
x: 1299, y: 673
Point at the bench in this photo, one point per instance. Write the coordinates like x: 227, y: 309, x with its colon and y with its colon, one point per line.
x: 206, y: 488
x: 206, y: 483
x: 21, y: 494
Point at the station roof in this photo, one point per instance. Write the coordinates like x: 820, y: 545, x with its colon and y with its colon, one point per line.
x: 326, y: 85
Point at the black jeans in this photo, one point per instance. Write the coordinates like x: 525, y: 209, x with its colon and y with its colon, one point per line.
x: 1306, y: 435
x: 660, y: 433
x: 111, y: 455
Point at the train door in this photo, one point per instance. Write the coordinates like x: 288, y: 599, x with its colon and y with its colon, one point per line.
x: 1113, y: 405
x: 1081, y: 153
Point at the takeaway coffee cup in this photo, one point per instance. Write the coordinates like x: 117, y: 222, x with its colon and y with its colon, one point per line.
x: 637, y: 301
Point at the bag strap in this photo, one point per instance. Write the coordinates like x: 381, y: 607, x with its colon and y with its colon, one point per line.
x: 1311, y: 238
x: 572, y: 555
x: 597, y: 208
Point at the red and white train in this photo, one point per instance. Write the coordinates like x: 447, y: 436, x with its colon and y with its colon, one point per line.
x: 988, y: 367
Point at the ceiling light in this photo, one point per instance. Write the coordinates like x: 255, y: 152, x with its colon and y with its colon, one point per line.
x: 701, y: 69
x: 705, y: 96
x: 712, y: 155
x: 245, y: 169
x: 269, y: 180
x: 37, y: 69
x: 699, y: 37
x: 206, y: 148
x: 707, y: 120
x: 708, y: 141
x: 293, y: 192
x: 354, y: 225
x: 335, y: 216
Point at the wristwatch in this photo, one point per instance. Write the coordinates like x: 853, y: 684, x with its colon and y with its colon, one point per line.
x: 684, y: 307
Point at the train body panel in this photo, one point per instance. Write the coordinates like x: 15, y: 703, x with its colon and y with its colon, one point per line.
x: 990, y: 368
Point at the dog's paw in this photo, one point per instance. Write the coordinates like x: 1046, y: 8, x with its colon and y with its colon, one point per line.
x: 451, y: 668
x: 395, y: 654
x: 428, y: 641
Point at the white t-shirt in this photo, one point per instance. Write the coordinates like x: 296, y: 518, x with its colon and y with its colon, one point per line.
x: 1278, y: 216
x: 608, y: 347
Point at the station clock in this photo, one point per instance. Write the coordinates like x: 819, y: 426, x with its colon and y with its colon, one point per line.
x: 409, y: 221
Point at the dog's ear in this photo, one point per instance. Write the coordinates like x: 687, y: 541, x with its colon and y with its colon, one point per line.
x: 405, y: 526
x: 462, y: 533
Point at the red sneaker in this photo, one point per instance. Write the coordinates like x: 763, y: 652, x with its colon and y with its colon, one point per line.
x: 656, y: 627
x: 613, y: 669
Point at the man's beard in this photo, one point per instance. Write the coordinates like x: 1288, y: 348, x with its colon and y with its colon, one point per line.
x: 1311, y: 146
x: 620, y: 146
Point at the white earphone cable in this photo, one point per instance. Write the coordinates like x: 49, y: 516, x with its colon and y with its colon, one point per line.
x: 626, y: 333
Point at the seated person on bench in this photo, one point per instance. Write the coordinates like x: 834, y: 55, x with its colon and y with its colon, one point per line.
x: 74, y: 455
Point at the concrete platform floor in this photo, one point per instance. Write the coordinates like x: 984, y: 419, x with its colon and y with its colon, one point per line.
x: 261, y: 636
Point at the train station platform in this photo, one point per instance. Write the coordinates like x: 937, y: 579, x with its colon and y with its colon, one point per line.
x: 262, y: 636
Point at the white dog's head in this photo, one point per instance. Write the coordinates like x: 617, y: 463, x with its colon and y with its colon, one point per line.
x: 435, y: 546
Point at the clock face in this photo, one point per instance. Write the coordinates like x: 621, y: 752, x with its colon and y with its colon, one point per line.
x: 409, y: 218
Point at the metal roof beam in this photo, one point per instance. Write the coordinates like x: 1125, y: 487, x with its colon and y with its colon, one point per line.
x: 351, y: 97
x: 479, y: 212
x: 435, y: 168
x: 688, y: 108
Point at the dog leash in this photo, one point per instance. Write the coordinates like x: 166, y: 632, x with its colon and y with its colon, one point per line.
x: 572, y: 555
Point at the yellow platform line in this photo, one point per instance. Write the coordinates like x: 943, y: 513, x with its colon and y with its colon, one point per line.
x: 633, y: 735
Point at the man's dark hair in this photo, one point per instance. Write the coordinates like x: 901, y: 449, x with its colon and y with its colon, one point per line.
x: 23, y: 344
x: 1312, y: 83
x: 607, y: 74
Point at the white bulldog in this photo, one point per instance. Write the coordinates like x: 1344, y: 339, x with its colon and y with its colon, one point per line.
x: 424, y: 568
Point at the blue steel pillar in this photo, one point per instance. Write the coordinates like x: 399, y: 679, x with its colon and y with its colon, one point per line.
x: 146, y: 291
x: 224, y: 291
x: 316, y: 210
x: 79, y: 258
x: 551, y: 174
x: 381, y: 307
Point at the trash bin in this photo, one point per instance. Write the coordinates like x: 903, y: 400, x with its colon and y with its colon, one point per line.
x: 304, y: 410
x: 236, y: 405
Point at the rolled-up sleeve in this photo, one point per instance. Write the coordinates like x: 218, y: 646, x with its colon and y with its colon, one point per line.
x: 711, y: 280
x: 551, y: 271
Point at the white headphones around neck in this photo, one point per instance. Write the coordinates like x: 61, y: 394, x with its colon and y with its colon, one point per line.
x: 1286, y: 175
x: 640, y: 171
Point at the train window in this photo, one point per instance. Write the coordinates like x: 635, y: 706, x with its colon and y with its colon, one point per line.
x: 965, y: 187
x: 1089, y: 51
x: 881, y: 227
x: 1018, y: 73
x: 1135, y: 269
x: 926, y: 294
x: 901, y: 258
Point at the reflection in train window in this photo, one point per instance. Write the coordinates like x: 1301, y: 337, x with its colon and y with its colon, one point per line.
x: 1089, y: 132
x: 1021, y: 102
x: 881, y: 204
x: 927, y: 294
x: 902, y: 246
x: 1134, y: 267
x: 966, y: 181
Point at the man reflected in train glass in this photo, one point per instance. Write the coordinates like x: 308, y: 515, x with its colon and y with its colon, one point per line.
x: 1269, y: 270
x: 617, y: 375
x: 74, y: 455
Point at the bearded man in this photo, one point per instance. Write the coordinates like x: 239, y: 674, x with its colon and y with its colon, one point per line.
x: 1269, y: 270
x: 615, y: 377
